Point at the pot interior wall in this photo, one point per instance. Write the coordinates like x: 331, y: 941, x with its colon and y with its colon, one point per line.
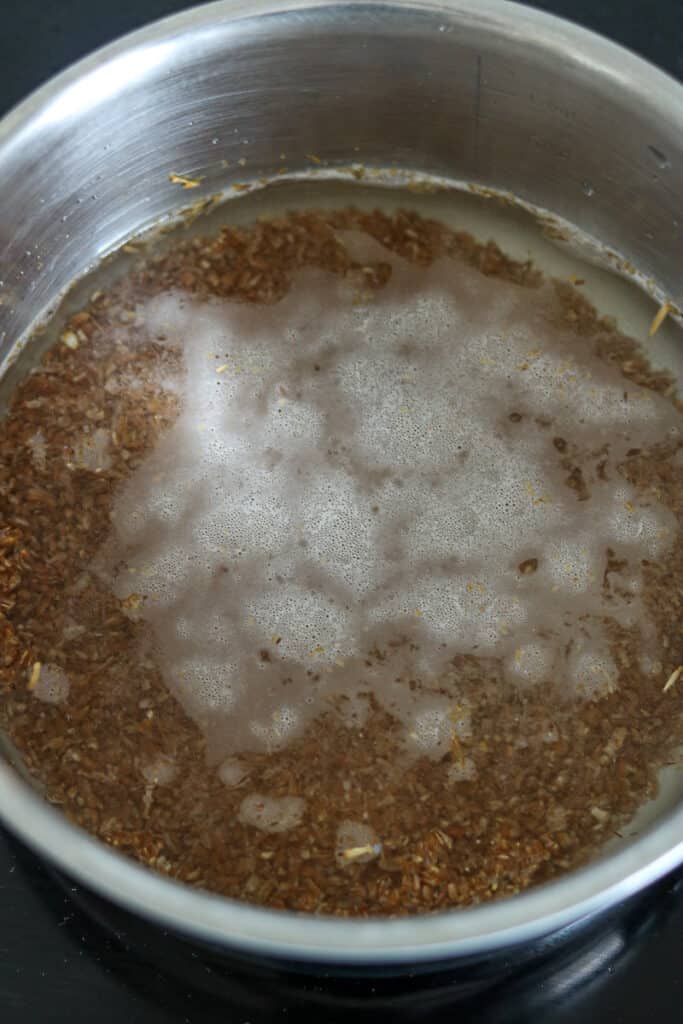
x: 453, y: 94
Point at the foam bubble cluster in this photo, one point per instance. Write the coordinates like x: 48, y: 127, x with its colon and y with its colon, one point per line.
x: 53, y: 685
x: 271, y: 813
x: 233, y: 772
x: 347, y: 470
x: 160, y: 771
x: 356, y: 843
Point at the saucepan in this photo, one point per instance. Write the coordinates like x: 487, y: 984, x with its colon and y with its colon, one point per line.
x: 482, y: 92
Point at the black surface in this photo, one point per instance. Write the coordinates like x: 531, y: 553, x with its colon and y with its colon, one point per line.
x: 65, y: 956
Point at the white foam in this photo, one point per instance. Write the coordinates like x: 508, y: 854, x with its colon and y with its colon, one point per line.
x: 283, y: 724
x: 53, y: 686
x: 233, y: 772
x: 312, y: 616
x: 572, y: 563
x: 591, y: 670
x: 646, y: 529
x: 270, y: 813
x: 356, y: 843
x: 532, y: 662
x: 159, y: 771
x: 346, y: 472
x: 436, y: 723
x: 205, y: 685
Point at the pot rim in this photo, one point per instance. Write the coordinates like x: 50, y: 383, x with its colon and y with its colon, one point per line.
x: 228, y: 923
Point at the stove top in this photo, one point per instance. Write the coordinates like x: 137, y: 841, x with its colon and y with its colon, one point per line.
x: 66, y: 955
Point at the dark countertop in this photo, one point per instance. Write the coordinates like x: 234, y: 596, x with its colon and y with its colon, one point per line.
x: 56, y: 964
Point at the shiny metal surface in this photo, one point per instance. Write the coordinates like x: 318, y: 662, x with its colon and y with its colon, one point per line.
x: 482, y: 91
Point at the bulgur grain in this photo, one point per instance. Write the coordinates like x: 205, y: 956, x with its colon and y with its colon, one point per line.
x: 490, y: 831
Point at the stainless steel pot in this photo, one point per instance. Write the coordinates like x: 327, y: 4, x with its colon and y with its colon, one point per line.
x: 476, y: 90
